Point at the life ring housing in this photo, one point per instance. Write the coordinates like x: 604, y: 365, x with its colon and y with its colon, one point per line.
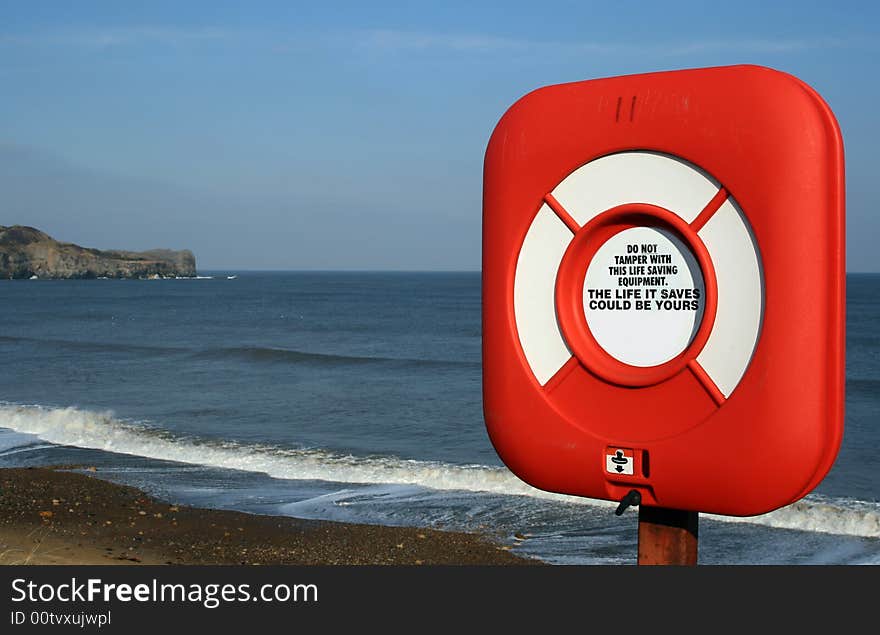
x: 663, y: 283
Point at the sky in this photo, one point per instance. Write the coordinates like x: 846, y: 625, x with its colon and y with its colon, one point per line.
x: 289, y: 135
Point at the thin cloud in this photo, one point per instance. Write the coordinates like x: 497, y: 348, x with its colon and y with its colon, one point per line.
x: 119, y: 36
x: 392, y: 41
x: 761, y: 46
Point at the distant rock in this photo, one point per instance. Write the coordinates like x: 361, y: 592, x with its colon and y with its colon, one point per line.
x: 26, y: 252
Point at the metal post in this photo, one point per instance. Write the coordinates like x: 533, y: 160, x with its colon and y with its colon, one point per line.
x: 667, y: 536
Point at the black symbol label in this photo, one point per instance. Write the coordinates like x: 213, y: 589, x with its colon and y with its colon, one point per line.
x: 618, y: 463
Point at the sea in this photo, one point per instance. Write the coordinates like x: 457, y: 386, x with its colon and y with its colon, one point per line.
x: 355, y: 397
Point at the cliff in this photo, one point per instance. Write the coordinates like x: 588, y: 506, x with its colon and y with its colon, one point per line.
x: 26, y: 252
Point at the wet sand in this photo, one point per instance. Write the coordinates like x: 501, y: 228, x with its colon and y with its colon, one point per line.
x: 52, y: 516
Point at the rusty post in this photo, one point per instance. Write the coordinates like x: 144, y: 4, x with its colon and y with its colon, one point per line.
x: 667, y: 536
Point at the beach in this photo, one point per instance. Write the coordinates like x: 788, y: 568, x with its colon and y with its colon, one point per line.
x: 58, y: 516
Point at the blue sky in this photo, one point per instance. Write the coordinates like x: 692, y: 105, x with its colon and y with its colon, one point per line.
x: 286, y: 135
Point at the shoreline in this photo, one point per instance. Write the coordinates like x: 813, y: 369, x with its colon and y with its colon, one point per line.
x: 49, y: 515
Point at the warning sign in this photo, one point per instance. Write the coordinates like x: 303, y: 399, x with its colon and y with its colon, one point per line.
x: 619, y: 461
x: 644, y: 296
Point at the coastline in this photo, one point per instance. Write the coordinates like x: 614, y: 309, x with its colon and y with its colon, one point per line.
x: 54, y: 516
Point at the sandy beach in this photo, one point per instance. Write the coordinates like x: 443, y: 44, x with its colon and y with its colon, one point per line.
x: 55, y: 516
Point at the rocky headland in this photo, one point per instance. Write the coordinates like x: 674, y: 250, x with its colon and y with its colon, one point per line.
x: 26, y: 252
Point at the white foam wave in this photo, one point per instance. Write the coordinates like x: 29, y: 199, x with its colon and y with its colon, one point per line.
x: 102, y: 431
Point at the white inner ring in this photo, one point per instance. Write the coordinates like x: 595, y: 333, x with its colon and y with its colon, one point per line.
x: 644, y: 296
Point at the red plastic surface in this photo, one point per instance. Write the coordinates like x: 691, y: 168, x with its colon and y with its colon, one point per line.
x: 775, y: 146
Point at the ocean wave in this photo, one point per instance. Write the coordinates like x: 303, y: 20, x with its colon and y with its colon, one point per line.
x: 97, y: 347
x: 103, y: 431
x: 248, y: 353
x: 285, y: 355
